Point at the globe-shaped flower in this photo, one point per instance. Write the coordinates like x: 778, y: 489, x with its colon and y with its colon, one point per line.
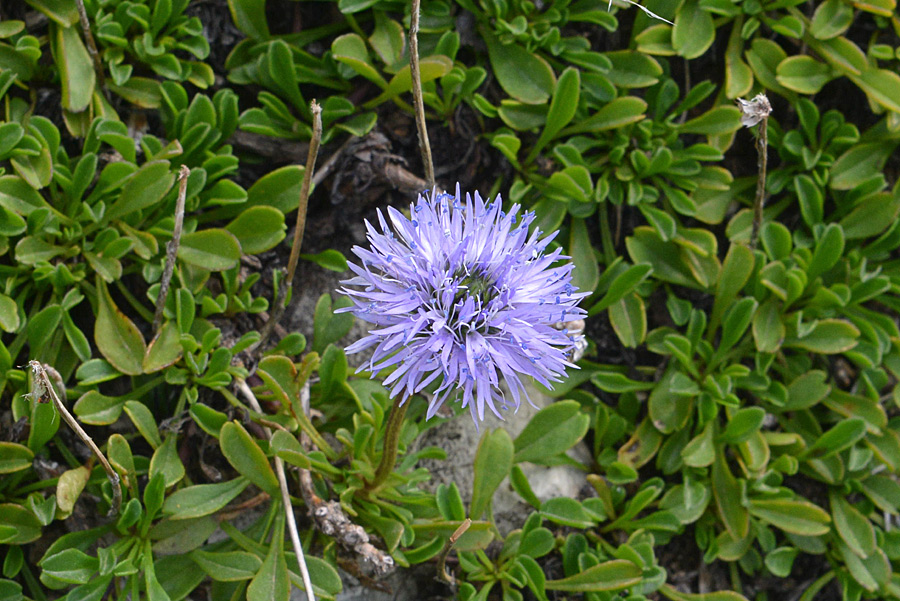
x: 462, y: 292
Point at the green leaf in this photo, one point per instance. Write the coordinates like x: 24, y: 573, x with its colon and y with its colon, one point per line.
x: 562, y: 109
x: 675, y: 595
x: 623, y: 283
x: 272, y: 582
x: 568, y: 512
x: 717, y: 121
x: 829, y: 249
x: 96, y: 409
x: 145, y: 188
x: 493, y: 461
x: 73, y: 566
x: 164, y: 350
x: 553, y: 430
x: 213, y: 249
x: 230, y: 566
x: 250, y: 17
x: 871, y: 217
x: 17, y: 196
x: 143, y: 420
x: 612, y: 575
x: 859, y: 163
x: 525, y: 76
x: 351, y: 50
x: 743, y: 424
x: 737, y: 319
x: 811, y: 199
x: 843, y: 435
x: 14, y: 457
x: 807, y: 390
x: 828, y: 336
x: 166, y: 461
x: 279, y: 189
x: 258, y: 229
x: 330, y: 259
x: 203, y: 499
x: 18, y: 526
x: 852, y: 526
x: 830, y: 20
x: 727, y: 493
x: 116, y: 336
x: 632, y: 69
x: 247, y: 458
x: 613, y: 115
x: 628, y: 318
x: 694, y: 30
x: 803, y: 74
x: 286, y: 446
x: 796, y: 517
x: 76, y: 70
x: 69, y: 487
x: 586, y: 273
x: 328, y: 326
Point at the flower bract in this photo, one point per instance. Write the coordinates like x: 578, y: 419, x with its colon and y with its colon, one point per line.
x: 462, y: 293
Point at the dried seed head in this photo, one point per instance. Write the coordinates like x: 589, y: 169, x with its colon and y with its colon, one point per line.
x: 754, y: 111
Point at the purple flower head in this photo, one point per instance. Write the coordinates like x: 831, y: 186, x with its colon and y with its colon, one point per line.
x: 462, y: 292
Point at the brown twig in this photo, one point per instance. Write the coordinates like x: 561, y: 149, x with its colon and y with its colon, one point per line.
x: 41, y: 385
x: 171, y: 248
x: 753, y: 112
x: 304, y: 190
x: 285, y: 497
x: 418, y: 102
x: 330, y: 519
x: 287, y: 281
x: 443, y: 574
x: 92, y: 46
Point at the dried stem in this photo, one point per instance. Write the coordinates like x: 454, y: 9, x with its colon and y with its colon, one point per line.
x: 762, y: 147
x: 286, y: 282
x: 418, y: 103
x: 285, y: 497
x: 171, y: 248
x: 92, y: 46
x: 391, y: 441
x: 40, y: 385
x: 304, y: 190
x: 443, y: 574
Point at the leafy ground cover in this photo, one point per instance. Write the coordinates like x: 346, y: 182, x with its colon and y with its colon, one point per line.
x: 739, y: 390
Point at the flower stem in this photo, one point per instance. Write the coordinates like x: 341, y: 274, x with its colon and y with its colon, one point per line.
x: 418, y: 102
x: 171, y: 249
x: 391, y: 441
x: 762, y: 145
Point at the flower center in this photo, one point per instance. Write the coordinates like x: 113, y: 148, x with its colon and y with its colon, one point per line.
x: 476, y: 286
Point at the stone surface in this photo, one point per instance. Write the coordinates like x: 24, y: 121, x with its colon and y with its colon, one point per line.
x: 459, y: 438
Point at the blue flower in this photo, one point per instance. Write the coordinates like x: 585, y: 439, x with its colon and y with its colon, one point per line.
x: 461, y: 293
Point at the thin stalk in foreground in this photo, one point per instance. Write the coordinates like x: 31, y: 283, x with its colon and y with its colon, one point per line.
x: 302, y: 205
x: 41, y: 385
x: 753, y: 112
x: 285, y: 498
x: 92, y: 46
x: 442, y: 572
x: 418, y: 103
x: 391, y: 441
x: 171, y: 248
x: 304, y: 190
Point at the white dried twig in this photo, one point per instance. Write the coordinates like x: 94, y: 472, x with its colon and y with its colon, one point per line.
x: 285, y: 498
x: 40, y: 386
x: 647, y: 11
